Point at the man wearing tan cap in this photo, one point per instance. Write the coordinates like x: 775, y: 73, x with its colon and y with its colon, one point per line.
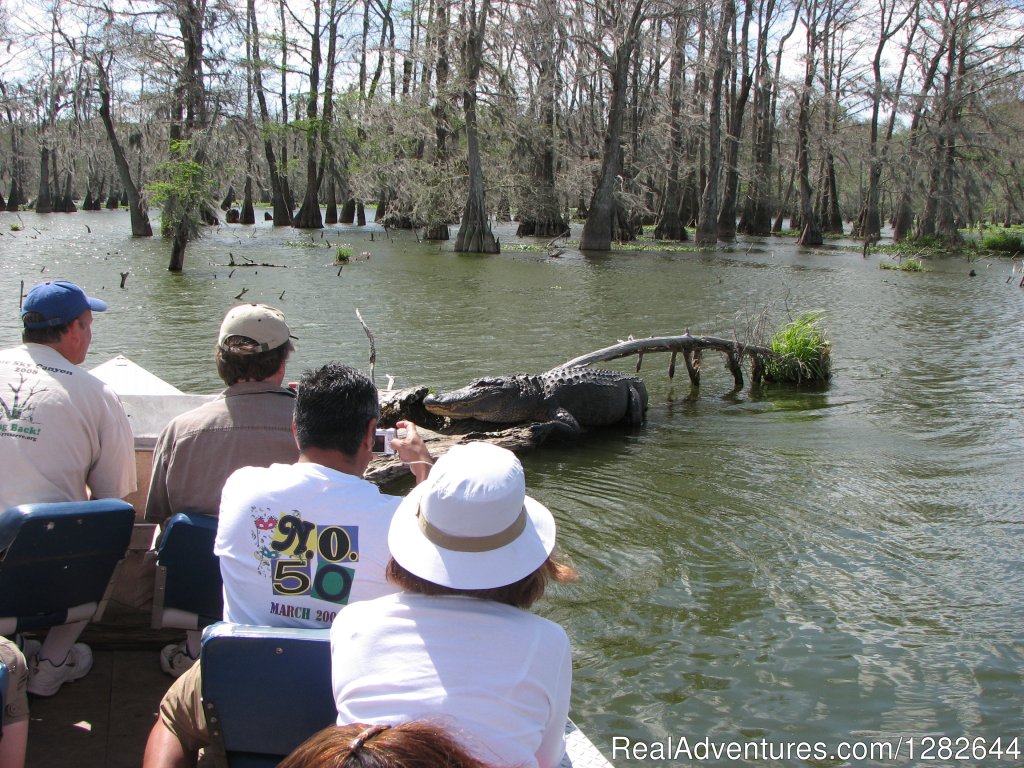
x: 249, y: 425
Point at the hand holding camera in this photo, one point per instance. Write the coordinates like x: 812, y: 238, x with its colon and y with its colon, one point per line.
x: 411, y: 450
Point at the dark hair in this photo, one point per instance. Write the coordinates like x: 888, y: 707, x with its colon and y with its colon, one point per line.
x: 408, y: 745
x: 333, y: 408
x: 237, y: 362
x: 51, y: 334
x: 520, y: 594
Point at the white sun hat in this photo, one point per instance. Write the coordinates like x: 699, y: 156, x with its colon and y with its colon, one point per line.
x: 470, y: 524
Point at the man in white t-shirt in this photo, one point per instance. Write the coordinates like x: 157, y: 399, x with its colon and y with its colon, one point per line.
x: 64, y: 436
x: 297, y: 542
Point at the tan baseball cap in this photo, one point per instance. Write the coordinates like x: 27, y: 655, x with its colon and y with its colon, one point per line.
x: 264, y: 325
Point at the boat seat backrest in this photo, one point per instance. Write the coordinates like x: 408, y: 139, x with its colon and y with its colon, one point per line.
x: 265, y: 689
x: 58, y: 559
x: 188, y: 592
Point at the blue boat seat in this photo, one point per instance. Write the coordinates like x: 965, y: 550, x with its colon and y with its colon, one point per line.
x: 188, y: 589
x: 246, y: 670
x: 57, y: 561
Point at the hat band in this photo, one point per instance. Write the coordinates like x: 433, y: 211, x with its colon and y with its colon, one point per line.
x: 258, y: 349
x: 53, y: 322
x: 472, y: 543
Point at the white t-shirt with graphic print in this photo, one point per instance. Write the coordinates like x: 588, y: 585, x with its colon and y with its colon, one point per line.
x: 63, y: 432
x: 298, y: 542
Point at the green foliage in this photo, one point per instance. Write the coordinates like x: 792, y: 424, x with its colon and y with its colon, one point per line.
x: 804, y: 354
x: 307, y: 243
x: 181, y: 189
x: 646, y: 243
x: 16, y: 227
x: 927, y: 242
x: 904, y: 265
x: 927, y: 245
x: 344, y: 254
x: 308, y: 125
x: 1003, y: 241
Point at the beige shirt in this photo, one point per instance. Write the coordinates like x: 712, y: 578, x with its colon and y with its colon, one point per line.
x: 64, y: 435
x: 250, y: 425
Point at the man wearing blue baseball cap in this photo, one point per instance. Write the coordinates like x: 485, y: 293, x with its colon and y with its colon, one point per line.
x: 64, y: 436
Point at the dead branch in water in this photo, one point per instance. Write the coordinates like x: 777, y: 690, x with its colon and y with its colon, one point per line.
x: 373, y: 346
x: 690, y: 346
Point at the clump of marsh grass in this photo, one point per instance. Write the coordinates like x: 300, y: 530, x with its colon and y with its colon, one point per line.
x: 1009, y: 242
x: 803, y: 354
x: 904, y: 265
x: 343, y: 255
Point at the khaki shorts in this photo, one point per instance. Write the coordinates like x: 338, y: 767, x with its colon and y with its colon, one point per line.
x: 181, y: 711
x: 16, y: 698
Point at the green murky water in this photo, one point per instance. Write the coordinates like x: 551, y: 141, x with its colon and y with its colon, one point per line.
x: 792, y: 566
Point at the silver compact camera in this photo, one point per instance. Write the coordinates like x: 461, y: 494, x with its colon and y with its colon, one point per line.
x: 382, y: 441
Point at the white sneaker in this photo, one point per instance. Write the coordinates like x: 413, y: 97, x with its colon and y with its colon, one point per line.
x: 45, y: 678
x: 174, y: 659
x: 29, y: 647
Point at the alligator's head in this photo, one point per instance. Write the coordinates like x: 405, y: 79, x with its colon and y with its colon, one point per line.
x: 503, y: 399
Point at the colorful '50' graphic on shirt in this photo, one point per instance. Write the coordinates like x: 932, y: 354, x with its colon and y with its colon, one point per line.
x: 305, y: 559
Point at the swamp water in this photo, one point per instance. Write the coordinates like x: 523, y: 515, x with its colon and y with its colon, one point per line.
x: 775, y: 566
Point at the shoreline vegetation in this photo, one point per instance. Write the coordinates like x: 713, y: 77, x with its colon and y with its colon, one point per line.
x: 836, y: 117
x: 907, y: 255
x: 1006, y: 242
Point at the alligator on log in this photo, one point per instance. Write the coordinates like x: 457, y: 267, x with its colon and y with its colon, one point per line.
x: 521, y: 411
x: 559, y: 402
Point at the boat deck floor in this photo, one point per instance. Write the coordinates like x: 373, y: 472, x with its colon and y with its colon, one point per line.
x: 103, y: 720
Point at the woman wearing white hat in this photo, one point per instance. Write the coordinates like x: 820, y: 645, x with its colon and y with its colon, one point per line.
x: 471, y: 552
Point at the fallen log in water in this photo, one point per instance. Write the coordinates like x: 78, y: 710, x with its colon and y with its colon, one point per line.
x: 441, y: 434
x: 691, y: 348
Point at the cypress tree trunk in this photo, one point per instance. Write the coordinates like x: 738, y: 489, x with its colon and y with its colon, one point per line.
x: 737, y: 110
x: 602, y: 215
x: 903, y: 217
x: 178, y: 245
x: 44, y: 204
x: 475, y: 234
x: 707, y: 221
x: 670, y: 224
x: 280, y: 195
x: 14, y: 198
x: 810, y: 232
x: 541, y: 215
x: 248, y: 214
x: 309, y: 216
x: 15, y: 193
x: 331, y: 214
x: 67, y: 201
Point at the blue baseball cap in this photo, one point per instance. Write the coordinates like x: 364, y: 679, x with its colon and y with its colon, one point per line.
x: 59, y: 302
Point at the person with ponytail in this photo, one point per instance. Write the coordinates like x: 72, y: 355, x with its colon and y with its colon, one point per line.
x: 407, y: 745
